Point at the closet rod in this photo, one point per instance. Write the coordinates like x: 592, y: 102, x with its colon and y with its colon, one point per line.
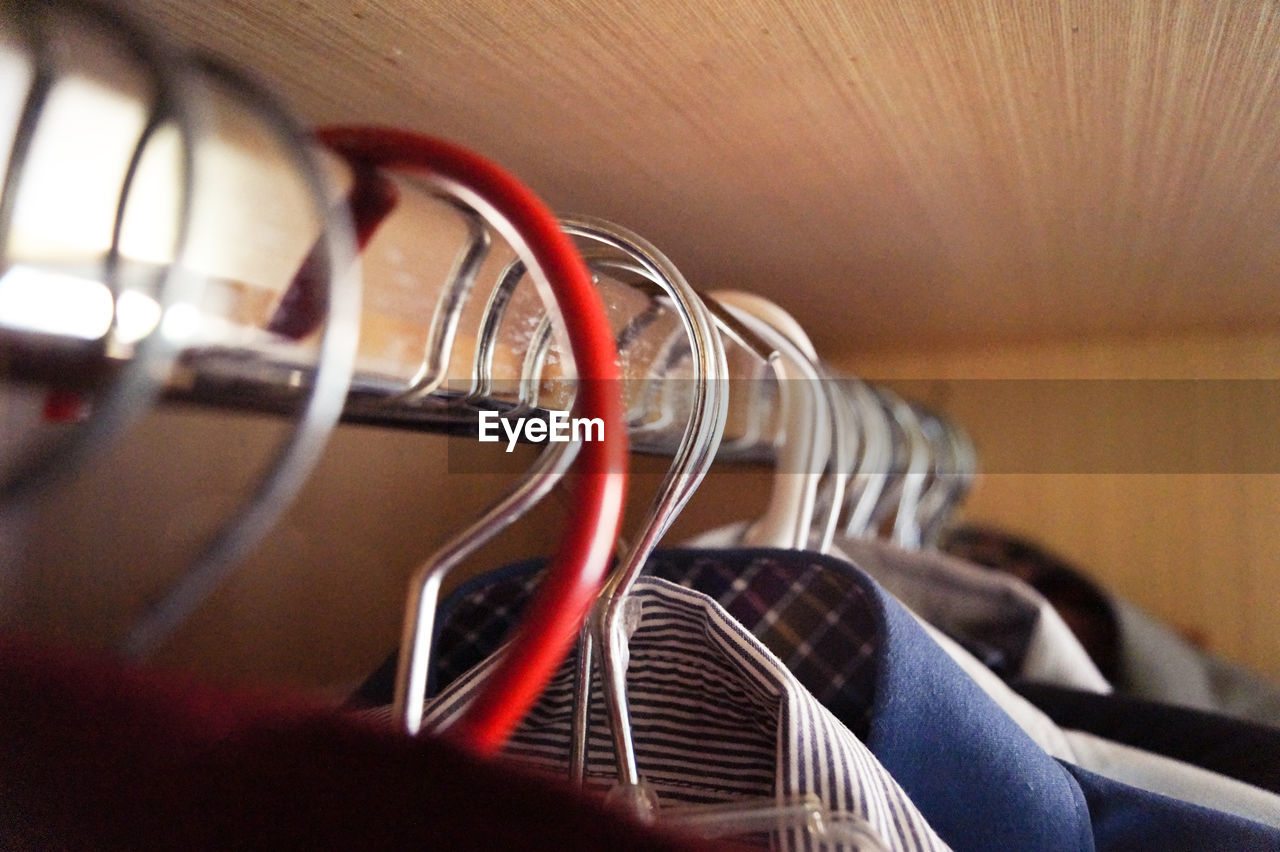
x: 261, y: 381
x: 185, y: 139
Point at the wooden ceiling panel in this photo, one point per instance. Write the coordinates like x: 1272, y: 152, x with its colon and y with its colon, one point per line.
x: 897, y: 172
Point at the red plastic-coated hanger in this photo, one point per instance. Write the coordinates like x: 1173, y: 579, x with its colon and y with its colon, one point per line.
x: 551, y: 623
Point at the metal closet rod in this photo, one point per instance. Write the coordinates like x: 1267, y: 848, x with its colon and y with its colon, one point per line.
x: 259, y: 372
x: 275, y: 380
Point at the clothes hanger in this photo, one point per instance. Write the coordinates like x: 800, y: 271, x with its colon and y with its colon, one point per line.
x: 534, y: 360
x: 953, y: 475
x: 130, y: 389
x: 693, y: 458
x: 846, y: 436
x: 906, y: 528
x: 650, y: 410
x: 418, y: 632
x: 495, y: 309
x: 552, y: 620
x: 767, y: 311
x: 674, y: 349
x: 334, y: 283
x: 820, y: 825
x: 789, y: 516
x: 817, y: 822
x: 448, y: 311
x: 596, y: 238
x: 906, y: 475
x: 757, y: 415
x: 607, y: 261
x: 942, y: 466
x: 966, y: 455
x: 876, y: 459
x: 897, y: 462
x: 843, y: 431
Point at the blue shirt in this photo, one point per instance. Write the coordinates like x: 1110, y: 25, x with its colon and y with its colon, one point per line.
x: 978, y: 779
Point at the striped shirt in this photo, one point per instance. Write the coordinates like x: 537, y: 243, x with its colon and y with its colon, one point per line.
x: 716, y: 718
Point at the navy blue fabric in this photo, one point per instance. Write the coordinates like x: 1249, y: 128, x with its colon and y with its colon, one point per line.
x: 979, y: 780
x: 975, y: 775
x: 457, y: 645
x: 940, y: 737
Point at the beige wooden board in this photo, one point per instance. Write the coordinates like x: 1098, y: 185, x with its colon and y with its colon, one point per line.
x: 895, y: 172
x: 1200, y: 549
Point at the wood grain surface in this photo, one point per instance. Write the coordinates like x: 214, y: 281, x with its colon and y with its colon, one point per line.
x: 894, y: 172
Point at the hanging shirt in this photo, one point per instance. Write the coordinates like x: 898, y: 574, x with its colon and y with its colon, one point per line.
x: 1001, y: 620
x: 716, y: 718
x: 1242, y: 750
x: 1157, y: 662
x: 1146, y: 657
x: 1136, y: 767
x: 984, y: 609
x: 1157, y: 773
x: 977, y: 778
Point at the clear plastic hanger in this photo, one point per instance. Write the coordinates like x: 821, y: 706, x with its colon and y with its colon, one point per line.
x: 42, y: 36
x: 448, y: 310
x: 846, y: 445
x: 709, y: 404
x: 411, y: 677
x: 907, y: 475
x: 139, y: 362
x: 495, y: 309
x: 875, y: 462
x: 678, y: 488
x: 818, y: 823
x: 941, y: 467
x: 652, y: 410
x: 954, y: 469
x: 802, y: 457
x: 418, y: 631
x: 548, y: 469
x: 808, y: 814
x: 906, y: 526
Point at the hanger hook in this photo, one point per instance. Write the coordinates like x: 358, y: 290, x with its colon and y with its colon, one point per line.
x: 709, y: 405
x: 806, y: 450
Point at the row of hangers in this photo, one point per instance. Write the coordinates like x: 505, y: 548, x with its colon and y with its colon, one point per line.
x: 850, y: 458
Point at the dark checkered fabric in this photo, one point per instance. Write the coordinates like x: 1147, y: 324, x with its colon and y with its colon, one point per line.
x: 817, y: 620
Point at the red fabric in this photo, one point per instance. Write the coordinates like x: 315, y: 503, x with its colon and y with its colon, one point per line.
x: 301, y: 310
x: 96, y: 756
x: 64, y: 406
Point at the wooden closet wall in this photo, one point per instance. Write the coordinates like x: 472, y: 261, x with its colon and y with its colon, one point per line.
x: 1198, y: 545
